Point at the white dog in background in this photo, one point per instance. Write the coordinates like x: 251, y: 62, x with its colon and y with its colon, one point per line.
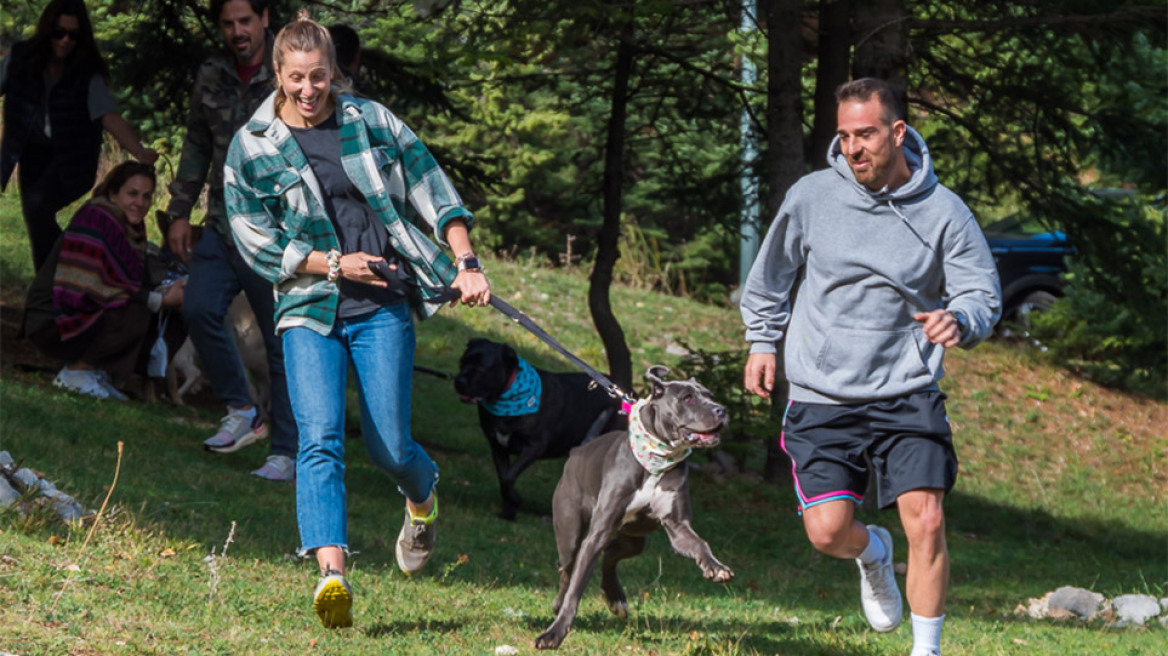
x: 250, y: 344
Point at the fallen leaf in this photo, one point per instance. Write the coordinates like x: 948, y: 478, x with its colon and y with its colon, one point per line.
x: 54, y: 540
x: 167, y: 553
x: 1019, y: 641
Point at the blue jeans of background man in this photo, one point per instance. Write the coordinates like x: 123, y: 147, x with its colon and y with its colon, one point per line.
x: 217, y: 275
x: 380, y: 346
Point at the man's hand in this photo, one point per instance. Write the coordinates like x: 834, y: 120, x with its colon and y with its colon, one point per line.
x: 178, y: 237
x: 940, y: 327
x: 173, y: 296
x: 760, y: 368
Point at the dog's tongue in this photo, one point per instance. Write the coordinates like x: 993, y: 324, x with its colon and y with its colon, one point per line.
x: 705, y: 438
x: 468, y: 399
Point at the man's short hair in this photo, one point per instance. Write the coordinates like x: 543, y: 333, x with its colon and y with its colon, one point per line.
x: 258, y: 6
x: 863, y: 89
x: 347, y: 41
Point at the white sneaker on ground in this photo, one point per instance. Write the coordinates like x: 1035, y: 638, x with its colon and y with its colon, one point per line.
x: 879, y: 594
x: 333, y: 601
x: 277, y: 468
x: 108, y: 384
x: 82, y: 381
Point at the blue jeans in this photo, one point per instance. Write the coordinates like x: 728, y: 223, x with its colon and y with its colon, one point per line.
x: 380, y: 346
x: 218, y: 274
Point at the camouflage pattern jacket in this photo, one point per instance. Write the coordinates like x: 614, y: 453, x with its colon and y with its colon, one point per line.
x: 220, y: 105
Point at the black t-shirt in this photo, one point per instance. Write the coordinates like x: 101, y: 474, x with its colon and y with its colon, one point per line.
x: 358, y: 228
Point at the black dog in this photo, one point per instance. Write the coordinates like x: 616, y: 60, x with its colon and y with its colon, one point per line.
x: 529, y: 412
x: 619, y: 487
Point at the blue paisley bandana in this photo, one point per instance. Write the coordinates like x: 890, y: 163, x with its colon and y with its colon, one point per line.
x: 522, y: 398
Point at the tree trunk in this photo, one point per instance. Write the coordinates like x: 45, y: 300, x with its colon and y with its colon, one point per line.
x: 608, y: 240
x: 881, y: 49
x: 834, y: 47
x: 784, y: 159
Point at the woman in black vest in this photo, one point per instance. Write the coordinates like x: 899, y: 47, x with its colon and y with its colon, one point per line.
x: 57, y: 104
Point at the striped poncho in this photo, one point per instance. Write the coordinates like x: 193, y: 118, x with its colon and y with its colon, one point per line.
x: 102, y: 266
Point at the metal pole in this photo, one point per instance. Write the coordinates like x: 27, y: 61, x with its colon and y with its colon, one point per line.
x: 748, y: 221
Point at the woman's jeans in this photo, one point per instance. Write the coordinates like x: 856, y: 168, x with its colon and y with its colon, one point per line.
x: 380, y: 347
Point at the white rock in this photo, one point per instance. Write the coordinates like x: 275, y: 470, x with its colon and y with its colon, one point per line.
x: 1084, y: 604
x: 676, y: 349
x: 1134, y: 609
x: 8, y: 495
x: 26, y: 477
x: 506, y: 650
x: 6, y: 460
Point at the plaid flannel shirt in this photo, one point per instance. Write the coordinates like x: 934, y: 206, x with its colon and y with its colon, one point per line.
x: 277, y: 216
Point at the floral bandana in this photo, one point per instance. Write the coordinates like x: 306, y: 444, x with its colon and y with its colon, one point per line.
x: 654, y: 455
x: 522, y: 397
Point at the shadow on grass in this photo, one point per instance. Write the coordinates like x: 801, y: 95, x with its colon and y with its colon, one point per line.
x: 391, y: 629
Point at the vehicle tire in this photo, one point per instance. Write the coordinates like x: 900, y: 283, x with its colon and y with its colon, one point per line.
x: 1016, y: 322
x: 1036, y: 301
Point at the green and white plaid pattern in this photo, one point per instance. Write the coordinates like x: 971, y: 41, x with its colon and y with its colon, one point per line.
x: 277, y: 216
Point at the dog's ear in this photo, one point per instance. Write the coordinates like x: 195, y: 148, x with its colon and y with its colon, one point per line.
x: 656, y: 377
x: 510, y: 357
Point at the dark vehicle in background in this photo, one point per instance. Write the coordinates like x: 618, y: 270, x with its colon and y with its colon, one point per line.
x: 1030, y: 261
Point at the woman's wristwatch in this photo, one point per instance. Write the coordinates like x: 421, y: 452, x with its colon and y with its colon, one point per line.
x: 468, y: 262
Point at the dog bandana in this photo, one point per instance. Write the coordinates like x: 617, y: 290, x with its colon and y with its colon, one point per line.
x: 522, y: 398
x: 653, y: 454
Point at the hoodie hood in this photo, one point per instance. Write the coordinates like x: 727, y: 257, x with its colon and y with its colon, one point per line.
x: 920, y: 165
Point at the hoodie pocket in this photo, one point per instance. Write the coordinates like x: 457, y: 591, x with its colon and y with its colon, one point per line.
x: 865, y: 362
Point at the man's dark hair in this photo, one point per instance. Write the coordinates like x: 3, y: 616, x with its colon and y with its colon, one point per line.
x: 347, y: 42
x: 863, y: 89
x: 258, y: 6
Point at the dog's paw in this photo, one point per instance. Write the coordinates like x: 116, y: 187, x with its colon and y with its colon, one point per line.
x: 717, y: 572
x: 549, y: 639
x: 619, y: 608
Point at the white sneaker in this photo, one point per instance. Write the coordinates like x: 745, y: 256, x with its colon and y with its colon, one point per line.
x: 82, y: 381
x: 277, y: 468
x: 879, y: 594
x: 104, y: 379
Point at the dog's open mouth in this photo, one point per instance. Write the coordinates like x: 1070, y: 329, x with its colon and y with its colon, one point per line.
x: 705, y: 438
x: 468, y: 399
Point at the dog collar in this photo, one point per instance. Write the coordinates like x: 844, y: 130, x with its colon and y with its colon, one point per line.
x: 522, y: 397
x: 654, y: 455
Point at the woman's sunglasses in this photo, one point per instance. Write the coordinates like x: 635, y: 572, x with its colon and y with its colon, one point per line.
x: 60, y: 33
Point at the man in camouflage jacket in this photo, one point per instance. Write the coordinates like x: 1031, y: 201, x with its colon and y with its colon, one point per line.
x: 228, y: 88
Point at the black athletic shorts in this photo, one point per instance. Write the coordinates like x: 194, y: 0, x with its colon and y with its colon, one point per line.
x: 907, y: 438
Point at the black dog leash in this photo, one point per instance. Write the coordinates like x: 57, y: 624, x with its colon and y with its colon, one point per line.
x: 446, y: 295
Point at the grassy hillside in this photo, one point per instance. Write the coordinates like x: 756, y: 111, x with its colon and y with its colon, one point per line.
x: 1062, y: 483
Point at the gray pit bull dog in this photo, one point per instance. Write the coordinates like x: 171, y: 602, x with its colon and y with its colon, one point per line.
x: 619, y: 487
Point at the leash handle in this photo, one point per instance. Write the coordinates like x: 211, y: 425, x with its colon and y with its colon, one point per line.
x: 394, y: 277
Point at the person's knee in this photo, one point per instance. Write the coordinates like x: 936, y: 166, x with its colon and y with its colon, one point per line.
x: 924, y: 519
x: 827, y: 534
x: 199, y: 310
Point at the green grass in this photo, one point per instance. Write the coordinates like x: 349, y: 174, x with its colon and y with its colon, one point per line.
x: 1063, y: 483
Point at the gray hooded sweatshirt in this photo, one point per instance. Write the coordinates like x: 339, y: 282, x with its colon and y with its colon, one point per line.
x: 868, y: 261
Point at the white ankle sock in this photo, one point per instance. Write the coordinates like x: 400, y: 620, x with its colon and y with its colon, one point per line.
x: 875, y: 551
x: 250, y: 413
x: 926, y: 634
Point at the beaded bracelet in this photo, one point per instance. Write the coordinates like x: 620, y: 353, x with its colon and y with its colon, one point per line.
x: 333, y: 258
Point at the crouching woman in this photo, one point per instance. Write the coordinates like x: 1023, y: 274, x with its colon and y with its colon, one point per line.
x: 91, y: 303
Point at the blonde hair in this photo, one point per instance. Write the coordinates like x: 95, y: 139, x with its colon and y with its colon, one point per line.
x: 305, y: 35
